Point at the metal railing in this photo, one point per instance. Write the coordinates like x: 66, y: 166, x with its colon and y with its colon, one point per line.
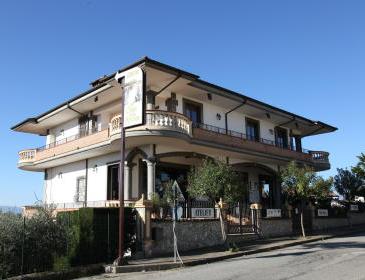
x: 315, y: 155
x: 68, y: 139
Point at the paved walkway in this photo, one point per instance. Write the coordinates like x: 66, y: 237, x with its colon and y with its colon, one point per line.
x: 218, y: 254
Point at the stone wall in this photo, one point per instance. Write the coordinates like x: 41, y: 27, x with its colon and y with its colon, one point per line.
x: 275, y: 227
x: 357, y: 218
x: 319, y: 224
x: 190, y: 235
x: 353, y: 218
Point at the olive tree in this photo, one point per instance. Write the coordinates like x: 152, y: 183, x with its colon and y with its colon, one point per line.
x: 215, y: 180
x: 302, y: 184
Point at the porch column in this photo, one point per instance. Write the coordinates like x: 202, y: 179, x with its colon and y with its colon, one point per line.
x: 128, y: 180
x: 151, y: 173
x: 150, y: 100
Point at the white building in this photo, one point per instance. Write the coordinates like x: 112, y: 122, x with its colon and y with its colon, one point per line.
x: 186, y: 119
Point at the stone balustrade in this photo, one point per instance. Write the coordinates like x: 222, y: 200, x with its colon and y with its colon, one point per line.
x: 159, y: 120
x: 319, y: 156
x: 27, y: 156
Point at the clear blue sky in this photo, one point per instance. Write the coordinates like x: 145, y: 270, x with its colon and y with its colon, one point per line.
x: 307, y: 57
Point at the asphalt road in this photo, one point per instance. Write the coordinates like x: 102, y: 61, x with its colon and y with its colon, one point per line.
x: 338, y: 258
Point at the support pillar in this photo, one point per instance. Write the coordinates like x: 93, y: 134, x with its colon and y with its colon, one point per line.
x: 144, y: 208
x: 151, y: 175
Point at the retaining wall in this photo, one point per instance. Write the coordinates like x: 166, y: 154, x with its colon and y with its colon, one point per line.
x: 276, y: 227
x: 190, y: 235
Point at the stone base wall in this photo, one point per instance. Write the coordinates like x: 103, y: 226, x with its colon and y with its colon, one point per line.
x: 276, y: 227
x: 353, y: 218
x: 319, y: 224
x: 190, y: 235
x: 357, y: 218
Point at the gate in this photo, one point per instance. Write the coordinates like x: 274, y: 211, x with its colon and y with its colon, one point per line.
x: 241, y: 219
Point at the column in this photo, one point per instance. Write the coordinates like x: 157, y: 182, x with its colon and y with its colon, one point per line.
x: 150, y: 105
x: 151, y: 173
x: 150, y: 100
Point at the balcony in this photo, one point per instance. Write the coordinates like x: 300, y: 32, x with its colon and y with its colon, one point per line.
x: 241, y: 141
x: 155, y: 120
x: 173, y: 124
x: 158, y: 120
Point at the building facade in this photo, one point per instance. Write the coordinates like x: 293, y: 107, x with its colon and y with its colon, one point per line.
x: 186, y: 119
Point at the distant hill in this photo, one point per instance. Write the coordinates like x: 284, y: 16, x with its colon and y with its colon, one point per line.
x: 12, y: 209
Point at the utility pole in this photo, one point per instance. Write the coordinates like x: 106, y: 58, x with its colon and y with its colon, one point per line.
x: 120, y: 260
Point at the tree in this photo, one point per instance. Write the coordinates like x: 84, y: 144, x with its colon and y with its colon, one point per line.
x: 348, y: 184
x: 215, y: 180
x: 300, y: 184
x: 359, y: 169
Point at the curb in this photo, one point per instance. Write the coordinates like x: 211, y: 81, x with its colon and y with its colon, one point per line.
x: 189, y: 263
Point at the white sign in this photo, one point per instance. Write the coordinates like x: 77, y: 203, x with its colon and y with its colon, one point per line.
x: 202, y: 213
x: 354, y: 207
x: 273, y: 213
x: 322, y: 212
x: 133, y: 96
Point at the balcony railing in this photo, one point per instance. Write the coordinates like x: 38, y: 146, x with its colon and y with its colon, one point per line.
x: 161, y: 120
x: 319, y: 156
x: 315, y: 156
x: 170, y: 121
x: 27, y: 155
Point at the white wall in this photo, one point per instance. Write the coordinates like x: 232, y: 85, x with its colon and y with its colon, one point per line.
x: 64, y: 130
x: 97, y: 177
x: 61, y: 183
x: 60, y: 187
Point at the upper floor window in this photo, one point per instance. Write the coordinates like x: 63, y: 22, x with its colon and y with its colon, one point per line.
x: 252, y: 129
x: 281, y: 137
x: 193, y: 110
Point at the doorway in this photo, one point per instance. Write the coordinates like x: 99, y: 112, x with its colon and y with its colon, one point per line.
x: 113, y: 182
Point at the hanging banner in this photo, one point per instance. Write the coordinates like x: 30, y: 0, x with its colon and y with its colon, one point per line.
x: 133, y: 89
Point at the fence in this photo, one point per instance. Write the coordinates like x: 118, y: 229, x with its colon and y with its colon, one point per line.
x: 188, y: 210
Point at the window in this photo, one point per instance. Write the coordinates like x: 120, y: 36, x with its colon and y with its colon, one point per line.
x: 113, y: 182
x: 193, y: 110
x: 281, y: 137
x: 80, y: 195
x: 252, y: 130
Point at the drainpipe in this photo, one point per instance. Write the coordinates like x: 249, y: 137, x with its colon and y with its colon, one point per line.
x: 72, y: 109
x: 230, y: 111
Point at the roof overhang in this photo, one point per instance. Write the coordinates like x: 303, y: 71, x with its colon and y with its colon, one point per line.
x: 107, y: 92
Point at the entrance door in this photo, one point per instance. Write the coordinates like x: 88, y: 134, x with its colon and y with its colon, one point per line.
x: 113, y: 182
x: 266, y: 190
x: 281, y: 137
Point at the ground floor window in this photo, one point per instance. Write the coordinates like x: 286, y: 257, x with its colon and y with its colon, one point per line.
x: 80, y: 195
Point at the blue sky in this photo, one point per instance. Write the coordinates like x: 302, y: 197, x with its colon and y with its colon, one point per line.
x: 307, y: 57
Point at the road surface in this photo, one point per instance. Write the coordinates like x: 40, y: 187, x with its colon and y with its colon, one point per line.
x: 338, y: 258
